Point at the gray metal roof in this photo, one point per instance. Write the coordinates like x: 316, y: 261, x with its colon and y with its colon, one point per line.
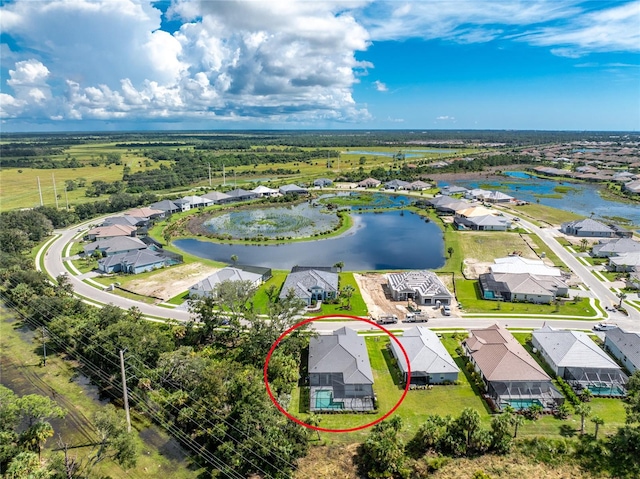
x: 164, y: 205
x: 572, y: 349
x: 587, y: 225
x: 627, y: 343
x: 292, y: 189
x: 425, y: 351
x: 113, y: 245
x: 619, y: 246
x: 341, y: 352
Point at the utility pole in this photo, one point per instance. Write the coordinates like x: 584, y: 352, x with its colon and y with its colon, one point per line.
x: 66, y: 197
x: 55, y: 193
x: 209, y: 175
x: 40, y: 191
x: 224, y: 177
x: 44, y: 347
x: 125, y: 395
x: 234, y: 178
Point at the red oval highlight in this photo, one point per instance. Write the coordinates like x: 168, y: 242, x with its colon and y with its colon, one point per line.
x: 323, y: 429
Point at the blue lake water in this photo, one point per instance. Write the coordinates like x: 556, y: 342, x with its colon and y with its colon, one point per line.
x: 412, y: 153
x: 377, y: 241
x: 583, y: 198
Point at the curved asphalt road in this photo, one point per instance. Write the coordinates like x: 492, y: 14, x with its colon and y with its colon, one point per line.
x: 53, y: 264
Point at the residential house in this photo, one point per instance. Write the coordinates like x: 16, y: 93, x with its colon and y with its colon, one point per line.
x: 419, y: 186
x: 633, y: 281
x: 183, y: 204
x: 587, y: 228
x: 517, y: 265
x: 293, y: 190
x: 145, y: 212
x: 218, y: 197
x: 511, y: 376
x: 125, y: 220
x: 625, y: 347
x: 311, y: 284
x: 263, y: 191
x: 577, y: 359
x: 615, y: 247
x: 369, y: 183
x: 207, y: 286
x: 322, y: 182
x: 443, y: 200
x: 483, y: 223
x: 340, y: 376
x: 397, y: 185
x: 430, y: 362
x: 525, y: 287
x: 241, y: 195
x: 451, y: 208
x: 498, y: 197
x: 167, y: 206
x: 423, y: 287
x: 632, y: 187
x: 133, y: 262
x: 477, y: 194
x: 453, y: 190
x: 102, y: 233
x: 198, y: 201
x: 111, y: 246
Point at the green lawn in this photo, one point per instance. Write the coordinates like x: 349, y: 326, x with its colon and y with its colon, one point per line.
x: 468, y: 293
x: 548, y: 253
x: 260, y: 300
x: 358, y: 307
x: 547, y: 214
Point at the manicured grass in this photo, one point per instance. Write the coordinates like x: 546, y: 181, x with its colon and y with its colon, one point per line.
x: 548, y: 253
x: 59, y: 375
x: 260, y: 300
x: 179, y: 299
x: 468, y: 293
x: 595, y: 261
x: 358, y: 307
x: 547, y: 214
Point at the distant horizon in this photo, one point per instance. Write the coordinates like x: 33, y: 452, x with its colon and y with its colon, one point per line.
x: 187, y: 65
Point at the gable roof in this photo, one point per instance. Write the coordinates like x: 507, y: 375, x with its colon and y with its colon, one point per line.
x: 397, y: 184
x: 587, y: 224
x: 114, y: 245
x: 197, y: 200
x: 627, y: 343
x: 473, y: 211
x: 344, y: 352
x: 144, y: 212
x: 261, y: 190
x: 501, y: 357
x: 526, y: 283
x: 292, y: 189
x: 626, y: 259
x: 302, y: 281
x: 111, y: 230
x: 225, y: 274
x: 488, y: 220
x: 240, y: 193
x: 572, y: 349
x: 369, y: 182
x: 143, y: 257
x: 619, y: 245
x: 425, y: 351
x: 216, y: 196
x: 126, y: 220
x: 164, y: 205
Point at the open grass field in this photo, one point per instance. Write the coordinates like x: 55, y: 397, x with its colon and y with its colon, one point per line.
x: 485, y: 246
x: 469, y: 296
x: 23, y: 373
x: 547, y: 214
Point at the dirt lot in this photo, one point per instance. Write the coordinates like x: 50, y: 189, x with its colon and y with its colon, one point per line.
x: 167, y: 283
x: 375, y: 294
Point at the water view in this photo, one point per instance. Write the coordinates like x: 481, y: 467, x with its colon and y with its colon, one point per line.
x: 377, y: 241
x: 581, y: 198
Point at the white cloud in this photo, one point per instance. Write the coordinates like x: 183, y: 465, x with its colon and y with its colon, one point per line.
x: 380, y: 86
x: 612, y: 29
x: 445, y: 118
x: 283, y: 60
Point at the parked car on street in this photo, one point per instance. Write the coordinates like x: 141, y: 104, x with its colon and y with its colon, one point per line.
x: 446, y: 310
x: 604, y: 327
x: 387, y: 319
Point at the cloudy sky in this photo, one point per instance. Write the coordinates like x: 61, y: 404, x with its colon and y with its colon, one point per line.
x: 234, y: 64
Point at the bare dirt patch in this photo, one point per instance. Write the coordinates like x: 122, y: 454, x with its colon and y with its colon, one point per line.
x: 376, y: 296
x: 167, y: 283
x: 329, y: 462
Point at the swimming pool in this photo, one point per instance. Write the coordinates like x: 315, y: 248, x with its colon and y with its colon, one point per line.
x: 605, y: 390
x: 519, y: 404
x: 324, y: 400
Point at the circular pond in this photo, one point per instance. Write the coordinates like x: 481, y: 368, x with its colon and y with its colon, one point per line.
x: 377, y: 241
x: 276, y: 222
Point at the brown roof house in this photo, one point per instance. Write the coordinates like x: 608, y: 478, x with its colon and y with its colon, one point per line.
x: 511, y: 376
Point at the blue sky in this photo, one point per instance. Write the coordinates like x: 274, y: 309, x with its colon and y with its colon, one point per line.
x: 181, y: 64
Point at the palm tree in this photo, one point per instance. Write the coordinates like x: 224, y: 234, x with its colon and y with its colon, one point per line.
x: 450, y: 250
x: 598, y: 421
x: 622, y: 297
x: 339, y: 265
x: 584, y: 410
x: 517, y: 420
x: 470, y: 421
x: 234, y: 258
x: 583, y: 244
x: 347, y: 292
